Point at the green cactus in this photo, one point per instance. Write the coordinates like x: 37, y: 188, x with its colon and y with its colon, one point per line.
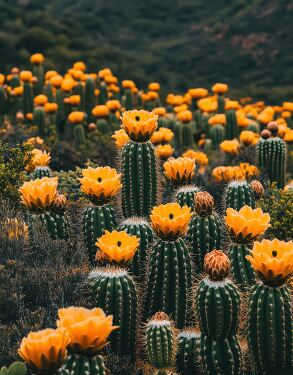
x: 141, y: 229
x: 261, y: 151
x: 27, y: 98
x: 89, y: 98
x: 232, y: 130
x: 139, y: 177
x: 39, y: 120
x: 187, y: 130
x: 41, y: 171
x: 82, y: 365
x: 16, y: 368
x: 80, y: 90
x: 276, y: 160
x: 177, y: 129
x: 218, y: 308
x: 239, y: 194
x: 3, y: 103
x: 160, y: 341
x: 55, y: 223
x: 185, y: 195
x: 221, y: 103
x: 78, y: 135
x: 205, y: 124
x: 270, y: 329
x: 48, y: 91
x: 221, y: 357
x: 217, y: 133
x: 103, y: 97
x: 169, y: 281
x: 114, y: 290
x: 38, y: 71
x: 188, y: 352
x: 128, y: 102
x: 97, y: 219
x: 242, y: 270
x: 103, y: 126
x: 60, y: 114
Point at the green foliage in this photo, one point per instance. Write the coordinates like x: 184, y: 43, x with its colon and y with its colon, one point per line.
x: 279, y: 204
x: 12, y: 174
x: 16, y: 368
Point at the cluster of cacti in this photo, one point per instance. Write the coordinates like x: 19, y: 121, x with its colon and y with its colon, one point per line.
x: 151, y: 229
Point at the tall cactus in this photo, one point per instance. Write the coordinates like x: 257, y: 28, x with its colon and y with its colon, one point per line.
x: 39, y: 119
x: 115, y: 291
x: 217, y: 303
x: 239, y: 194
x: 139, y: 164
x: 205, y: 230
x: 261, y: 150
x: 217, y: 133
x: 100, y: 185
x: 38, y: 70
x: 89, y: 98
x: 188, y: 359
x: 232, y: 130
x: 270, y: 320
x: 169, y: 267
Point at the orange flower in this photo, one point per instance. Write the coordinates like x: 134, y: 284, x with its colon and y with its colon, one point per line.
x: 139, y: 125
x: 76, y: 117
x: 248, y: 137
x: 160, y: 111
x: 45, y: 351
x: 230, y: 147
x: 100, y: 111
x: 51, y: 108
x: 118, y: 247
x: 88, y: 329
x: 26, y: 75
x: 113, y: 105
x: 40, y: 100
x: 104, y: 72
x: 198, y: 93
x: 121, y: 138
x: 154, y: 86
x: 56, y: 81
x: 218, y: 119
x: 49, y: 74
x: 180, y: 108
x: 184, y: 116
x: 247, y: 223
x: 79, y: 65
x: 288, y: 106
x: 199, y: 157
x: 37, y: 58
x: 67, y: 84
x: 17, y: 91
x: 170, y: 220
x: 220, y: 88
x: 232, y: 104
x: 128, y: 84
x: 163, y: 135
x: 74, y: 99
x: 164, y: 151
x: 207, y: 105
x: 180, y: 171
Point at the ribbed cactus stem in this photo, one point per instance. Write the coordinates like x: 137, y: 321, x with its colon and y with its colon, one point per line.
x: 187, y: 129
x: 185, y: 195
x: 82, y: 365
x: 114, y: 290
x: 60, y: 114
x: 232, y: 130
x: 270, y: 329
x: 242, y: 270
x: 221, y: 103
x: 38, y: 71
x: 140, y: 181
x: 276, y: 161
x: 128, y: 103
x: 261, y: 150
x: 217, y: 133
x: 27, y: 98
x: 239, y: 194
x: 170, y: 272
x: 141, y: 229
x: 79, y: 135
x: 188, y: 352
x: 55, y: 223
x: 97, y: 219
x: 103, y: 97
x: 160, y: 341
x: 41, y: 171
x: 89, y: 96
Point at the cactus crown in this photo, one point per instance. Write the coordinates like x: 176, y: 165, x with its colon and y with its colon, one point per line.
x: 160, y: 319
x: 257, y: 188
x: 273, y: 128
x: 203, y: 203
x: 217, y: 265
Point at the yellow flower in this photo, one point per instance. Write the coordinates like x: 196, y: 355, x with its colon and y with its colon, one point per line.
x: 207, y: 105
x: 248, y: 137
x: 37, y: 58
x: 118, y: 247
x: 100, y: 111
x: 266, y: 116
x: 198, y: 93
x: 288, y: 106
x: 184, y: 116
x: 170, y: 220
x: 247, y: 223
x: 288, y: 137
x: 79, y: 65
x: 39, y: 193
x: 44, y: 351
x: 272, y: 260
x: 164, y: 151
x: 76, y: 117
x: 49, y: 74
x: 104, y: 72
x: 26, y: 75
x: 121, y: 138
x: 232, y: 104
x: 128, y: 84
x: 51, y: 108
x: 230, y: 147
x: 180, y: 108
x: 101, y: 183
x: 242, y: 120
x: 154, y: 86
x: 74, y: 99
x: 40, y: 100
x: 39, y: 159
x: 67, y: 84
x: 160, y: 111
x: 139, y: 125
x: 153, y: 95
x: 248, y: 170
x: 88, y: 329
x: 17, y: 91
x: 220, y: 88
x: 180, y: 171
x: 113, y: 105
x: 199, y: 157
x: 56, y: 81
x: 217, y: 119
x: 163, y: 135
x: 35, y: 141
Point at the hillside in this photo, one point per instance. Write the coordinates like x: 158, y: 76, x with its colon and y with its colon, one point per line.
x: 179, y: 43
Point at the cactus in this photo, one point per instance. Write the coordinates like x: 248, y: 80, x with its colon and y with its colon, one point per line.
x: 270, y: 329
x: 242, y: 271
x: 185, y: 195
x: 170, y: 272
x: 38, y: 71
x: 82, y: 365
x: 221, y: 357
x: 103, y: 97
x: 97, y: 219
x: 78, y: 135
x: 231, y: 126
x: 60, y: 114
x: 187, y: 130
x: 27, y: 98
x: 103, y: 126
x: 177, y: 135
x: 114, y: 290
x: 16, y: 368
x: 221, y: 103
x: 160, y: 342
x: 39, y: 120
x: 128, y: 102
x: 261, y: 150
x: 55, y: 223
x: 239, y: 194
x: 41, y: 171
x: 188, y: 352
x: 140, y: 180
x: 276, y: 160
x: 217, y: 133
x: 3, y: 103
x: 48, y: 91
x: 141, y: 229
x: 205, y: 229
x: 80, y: 90
x: 89, y: 98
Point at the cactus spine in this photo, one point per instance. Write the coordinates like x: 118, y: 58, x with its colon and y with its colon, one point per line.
x: 276, y: 161
x: 160, y: 342
x: 41, y: 171
x: 140, y: 180
x: 187, y: 129
x: 239, y: 194
x: 89, y: 97
x: 27, y: 98
x: 185, y: 195
x: 242, y: 271
x: 115, y: 292
x: 81, y: 365
x: 270, y: 329
x: 188, y: 352
x: 141, y: 229
x: 217, y: 133
x: 78, y: 135
x: 55, y: 223
x: 232, y: 126
x: 40, y: 120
